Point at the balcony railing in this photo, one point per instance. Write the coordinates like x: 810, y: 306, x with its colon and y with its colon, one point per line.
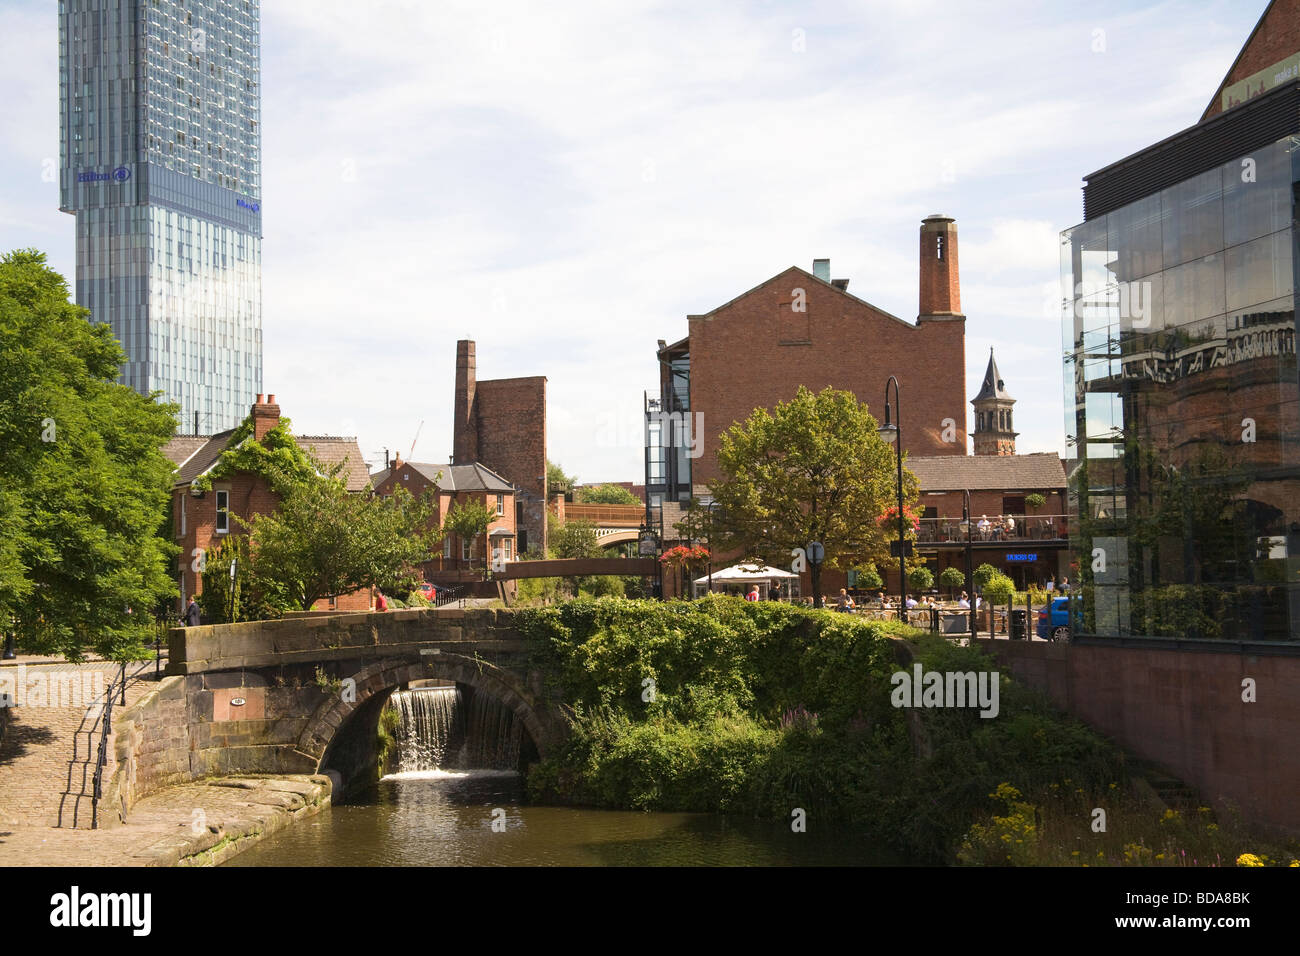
x: 1035, y: 527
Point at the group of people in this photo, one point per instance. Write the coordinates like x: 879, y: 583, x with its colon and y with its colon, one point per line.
x: 845, y: 603
x: 994, y: 530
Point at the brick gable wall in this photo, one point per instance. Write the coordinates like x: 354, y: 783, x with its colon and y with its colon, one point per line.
x: 756, y: 351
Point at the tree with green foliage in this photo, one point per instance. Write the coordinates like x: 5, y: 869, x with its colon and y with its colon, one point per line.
x: 469, y: 519
x: 814, y: 469
x: 84, y: 485
x: 921, y: 578
x: 221, y: 598
x: 999, y: 589
x: 952, y: 578
x: 324, y: 540
x: 557, y: 480
x: 982, y: 575
x: 869, y: 578
x: 575, y: 539
x: 606, y: 495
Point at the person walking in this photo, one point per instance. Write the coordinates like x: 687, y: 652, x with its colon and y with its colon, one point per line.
x: 193, y: 613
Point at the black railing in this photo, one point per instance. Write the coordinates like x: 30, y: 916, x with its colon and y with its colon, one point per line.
x: 999, y: 528
x: 105, y: 729
x: 446, y: 596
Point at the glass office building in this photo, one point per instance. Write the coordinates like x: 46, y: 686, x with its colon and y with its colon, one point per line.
x: 1181, y: 385
x: 161, y: 165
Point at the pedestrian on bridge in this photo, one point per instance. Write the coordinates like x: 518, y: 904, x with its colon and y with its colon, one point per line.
x: 193, y: 614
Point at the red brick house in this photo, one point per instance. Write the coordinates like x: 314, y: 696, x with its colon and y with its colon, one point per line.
x: 202, y: 518
x: 455, y: 485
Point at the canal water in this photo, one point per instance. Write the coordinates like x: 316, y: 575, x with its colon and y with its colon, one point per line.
x: 456, y: 800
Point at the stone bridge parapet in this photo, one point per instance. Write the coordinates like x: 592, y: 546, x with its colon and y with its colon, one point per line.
x: 304, y: 695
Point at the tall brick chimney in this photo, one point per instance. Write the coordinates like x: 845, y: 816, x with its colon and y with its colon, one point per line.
x: 266, y: 415
x: 940, y: 284
x: 465, y: 427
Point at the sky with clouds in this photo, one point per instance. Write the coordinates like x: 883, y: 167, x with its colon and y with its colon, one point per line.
x: 564, y: 183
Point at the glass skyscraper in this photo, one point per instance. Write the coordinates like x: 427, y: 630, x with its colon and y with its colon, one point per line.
x: 161, y: 165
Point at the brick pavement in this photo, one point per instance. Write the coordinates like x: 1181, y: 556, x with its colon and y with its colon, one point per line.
x: 47, y: 756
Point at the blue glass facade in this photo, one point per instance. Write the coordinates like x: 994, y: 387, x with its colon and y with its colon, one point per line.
x: 161, y: 165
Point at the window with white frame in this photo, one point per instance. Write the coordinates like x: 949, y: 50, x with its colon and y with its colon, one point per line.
x: 223, y: 512
x: 446, y: 547
x: 465, y: 549
x: 501, y: 504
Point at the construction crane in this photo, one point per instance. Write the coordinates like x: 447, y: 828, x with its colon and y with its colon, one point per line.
x: 414, y: 440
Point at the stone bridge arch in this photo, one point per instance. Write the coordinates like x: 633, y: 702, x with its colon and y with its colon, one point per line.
x: 375, y: 682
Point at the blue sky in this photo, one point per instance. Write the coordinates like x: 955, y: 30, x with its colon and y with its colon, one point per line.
x: 565, y: 183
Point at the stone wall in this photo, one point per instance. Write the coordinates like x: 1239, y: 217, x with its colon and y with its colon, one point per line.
x: 151, y: 749
x: 1183, y: 709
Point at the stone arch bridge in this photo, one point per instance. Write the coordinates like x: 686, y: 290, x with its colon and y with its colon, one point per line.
x: 304, y: 694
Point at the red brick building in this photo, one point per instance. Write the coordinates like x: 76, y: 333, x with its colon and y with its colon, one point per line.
x: 501, y: 425
x: 805, y: 328
x: 1031, y: 545
x: 801, y: 328
x: 202, y: 518
x: 455, y: 485
x: 1261, y: 63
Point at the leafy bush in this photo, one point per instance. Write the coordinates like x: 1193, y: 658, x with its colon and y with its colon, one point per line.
x: 921, y: 578
x: 869, y: 578
x: 999, y: 589
x: 982, y: 575
x: 726, y: 705
x: 537, y: 590
x: 952, y: 578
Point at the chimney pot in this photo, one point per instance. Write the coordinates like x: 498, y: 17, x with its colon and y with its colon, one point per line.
x: 260, y: 398
x: 270, y: 399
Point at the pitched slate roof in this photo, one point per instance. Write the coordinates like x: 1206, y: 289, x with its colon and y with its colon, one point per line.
x: 191, y: 461
x: 181, y: 447
x: 194, y: 454
x: 330, y: 450
x: 988, y: 472
x: 475, y: 477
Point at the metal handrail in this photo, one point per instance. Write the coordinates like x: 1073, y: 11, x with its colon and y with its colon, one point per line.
x: 105, y: 729
x: 1028, y: 528
x: 446, y: 595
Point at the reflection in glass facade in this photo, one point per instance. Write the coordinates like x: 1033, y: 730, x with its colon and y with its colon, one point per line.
x: 161, y: 165
x: 1181, y: 405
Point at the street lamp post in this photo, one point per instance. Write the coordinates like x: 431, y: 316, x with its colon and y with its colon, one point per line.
x: 965, y: 524
x: 711, y: 506
x: 893, y: 432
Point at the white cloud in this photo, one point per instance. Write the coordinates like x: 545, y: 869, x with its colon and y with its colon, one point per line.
x: 565, y: 183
